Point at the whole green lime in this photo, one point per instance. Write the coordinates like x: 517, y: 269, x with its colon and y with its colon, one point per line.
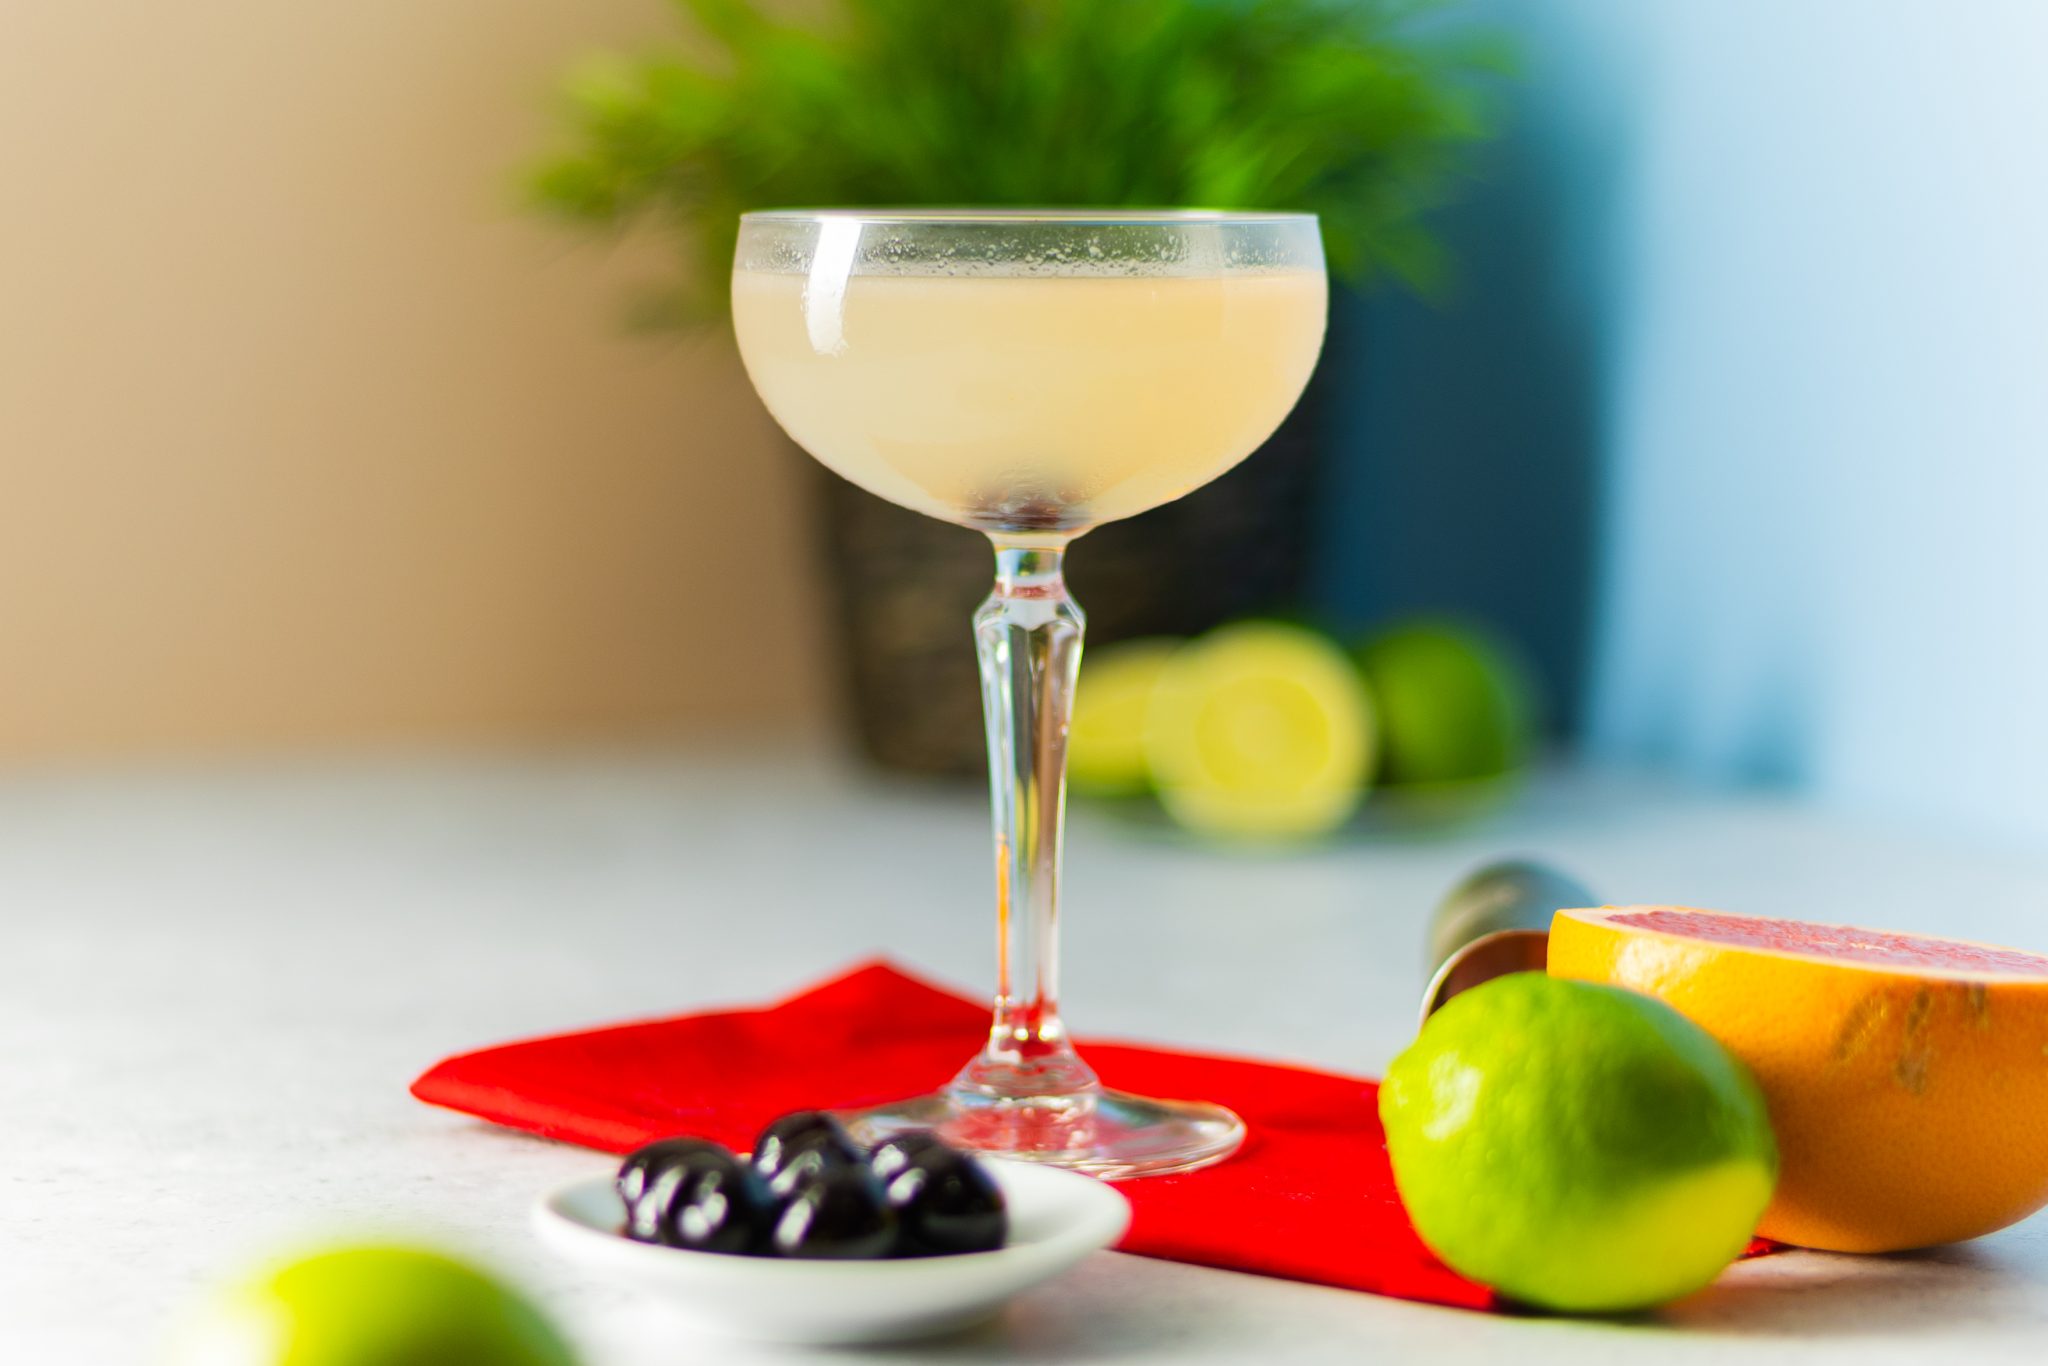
x: 1575, y: 1146
x: 1453, y: 704
x: 372, y: 1306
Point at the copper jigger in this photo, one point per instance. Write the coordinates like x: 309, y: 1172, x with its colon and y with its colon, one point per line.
x: 1495, y: 922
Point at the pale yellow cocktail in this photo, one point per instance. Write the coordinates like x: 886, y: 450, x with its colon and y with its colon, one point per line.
x: 1050, y: 402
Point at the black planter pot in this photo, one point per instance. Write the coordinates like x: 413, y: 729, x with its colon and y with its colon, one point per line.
x: 902, y: 587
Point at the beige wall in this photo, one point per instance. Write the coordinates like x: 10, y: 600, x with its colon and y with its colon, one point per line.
x: 308, y: 439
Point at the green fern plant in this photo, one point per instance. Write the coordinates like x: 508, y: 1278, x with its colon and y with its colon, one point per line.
x: 1357, y: 110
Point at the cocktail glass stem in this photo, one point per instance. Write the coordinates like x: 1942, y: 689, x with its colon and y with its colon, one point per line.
x: 1028, y: 636
x: 1027, y: 1094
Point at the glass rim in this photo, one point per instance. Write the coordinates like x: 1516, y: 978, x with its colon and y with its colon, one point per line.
x: 970, y: 216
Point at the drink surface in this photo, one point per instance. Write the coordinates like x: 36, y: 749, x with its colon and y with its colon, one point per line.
x: 1030, y: 403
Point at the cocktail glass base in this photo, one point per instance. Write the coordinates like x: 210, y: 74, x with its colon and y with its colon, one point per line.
x: 1105, y: 1133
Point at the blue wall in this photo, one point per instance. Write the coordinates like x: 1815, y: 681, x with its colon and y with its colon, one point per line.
x: 1745, y: 399
x: 1471, y: 479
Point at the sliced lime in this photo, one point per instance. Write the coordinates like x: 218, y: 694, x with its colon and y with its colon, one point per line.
x: 1260, y: 729
x: 1106, y: 739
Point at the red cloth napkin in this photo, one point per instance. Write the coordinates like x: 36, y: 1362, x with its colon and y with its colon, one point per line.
x: 1309, y: 1197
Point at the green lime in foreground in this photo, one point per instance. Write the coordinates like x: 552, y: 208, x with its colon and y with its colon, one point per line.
x: 1454, y: 707
x: 1259, y: 729
x: 1577, y: 1147
x: 1106, y: 739
x: 372, y: 1306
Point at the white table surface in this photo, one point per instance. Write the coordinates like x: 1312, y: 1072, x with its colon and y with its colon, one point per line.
x: 214, y: 988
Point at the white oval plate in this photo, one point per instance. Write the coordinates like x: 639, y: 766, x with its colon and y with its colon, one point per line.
x: 1056, y: 1218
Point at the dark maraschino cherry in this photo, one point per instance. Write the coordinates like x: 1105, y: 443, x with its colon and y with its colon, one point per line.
x: 898, y: 1151
x: 836, y: 1212
x: 662, y: 1162
x: 810, y: 1191
x: 690, y: 1193
x: 945, y: 1201
x: 801, y: 1145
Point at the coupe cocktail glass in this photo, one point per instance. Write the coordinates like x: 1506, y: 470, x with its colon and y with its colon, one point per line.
x: 1032, y: 374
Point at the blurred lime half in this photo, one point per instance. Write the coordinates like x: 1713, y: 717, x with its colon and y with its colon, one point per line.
x: 1106, y: 739
x: 1453, y: 705
x: 1259, y: 729
x: 371, y: 1306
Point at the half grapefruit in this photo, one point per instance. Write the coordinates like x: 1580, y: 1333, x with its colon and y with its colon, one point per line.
x: 1907, y: 1076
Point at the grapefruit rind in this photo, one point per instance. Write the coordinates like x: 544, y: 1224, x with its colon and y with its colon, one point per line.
x: 1836, y: 945
x: 1910, y: 1100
